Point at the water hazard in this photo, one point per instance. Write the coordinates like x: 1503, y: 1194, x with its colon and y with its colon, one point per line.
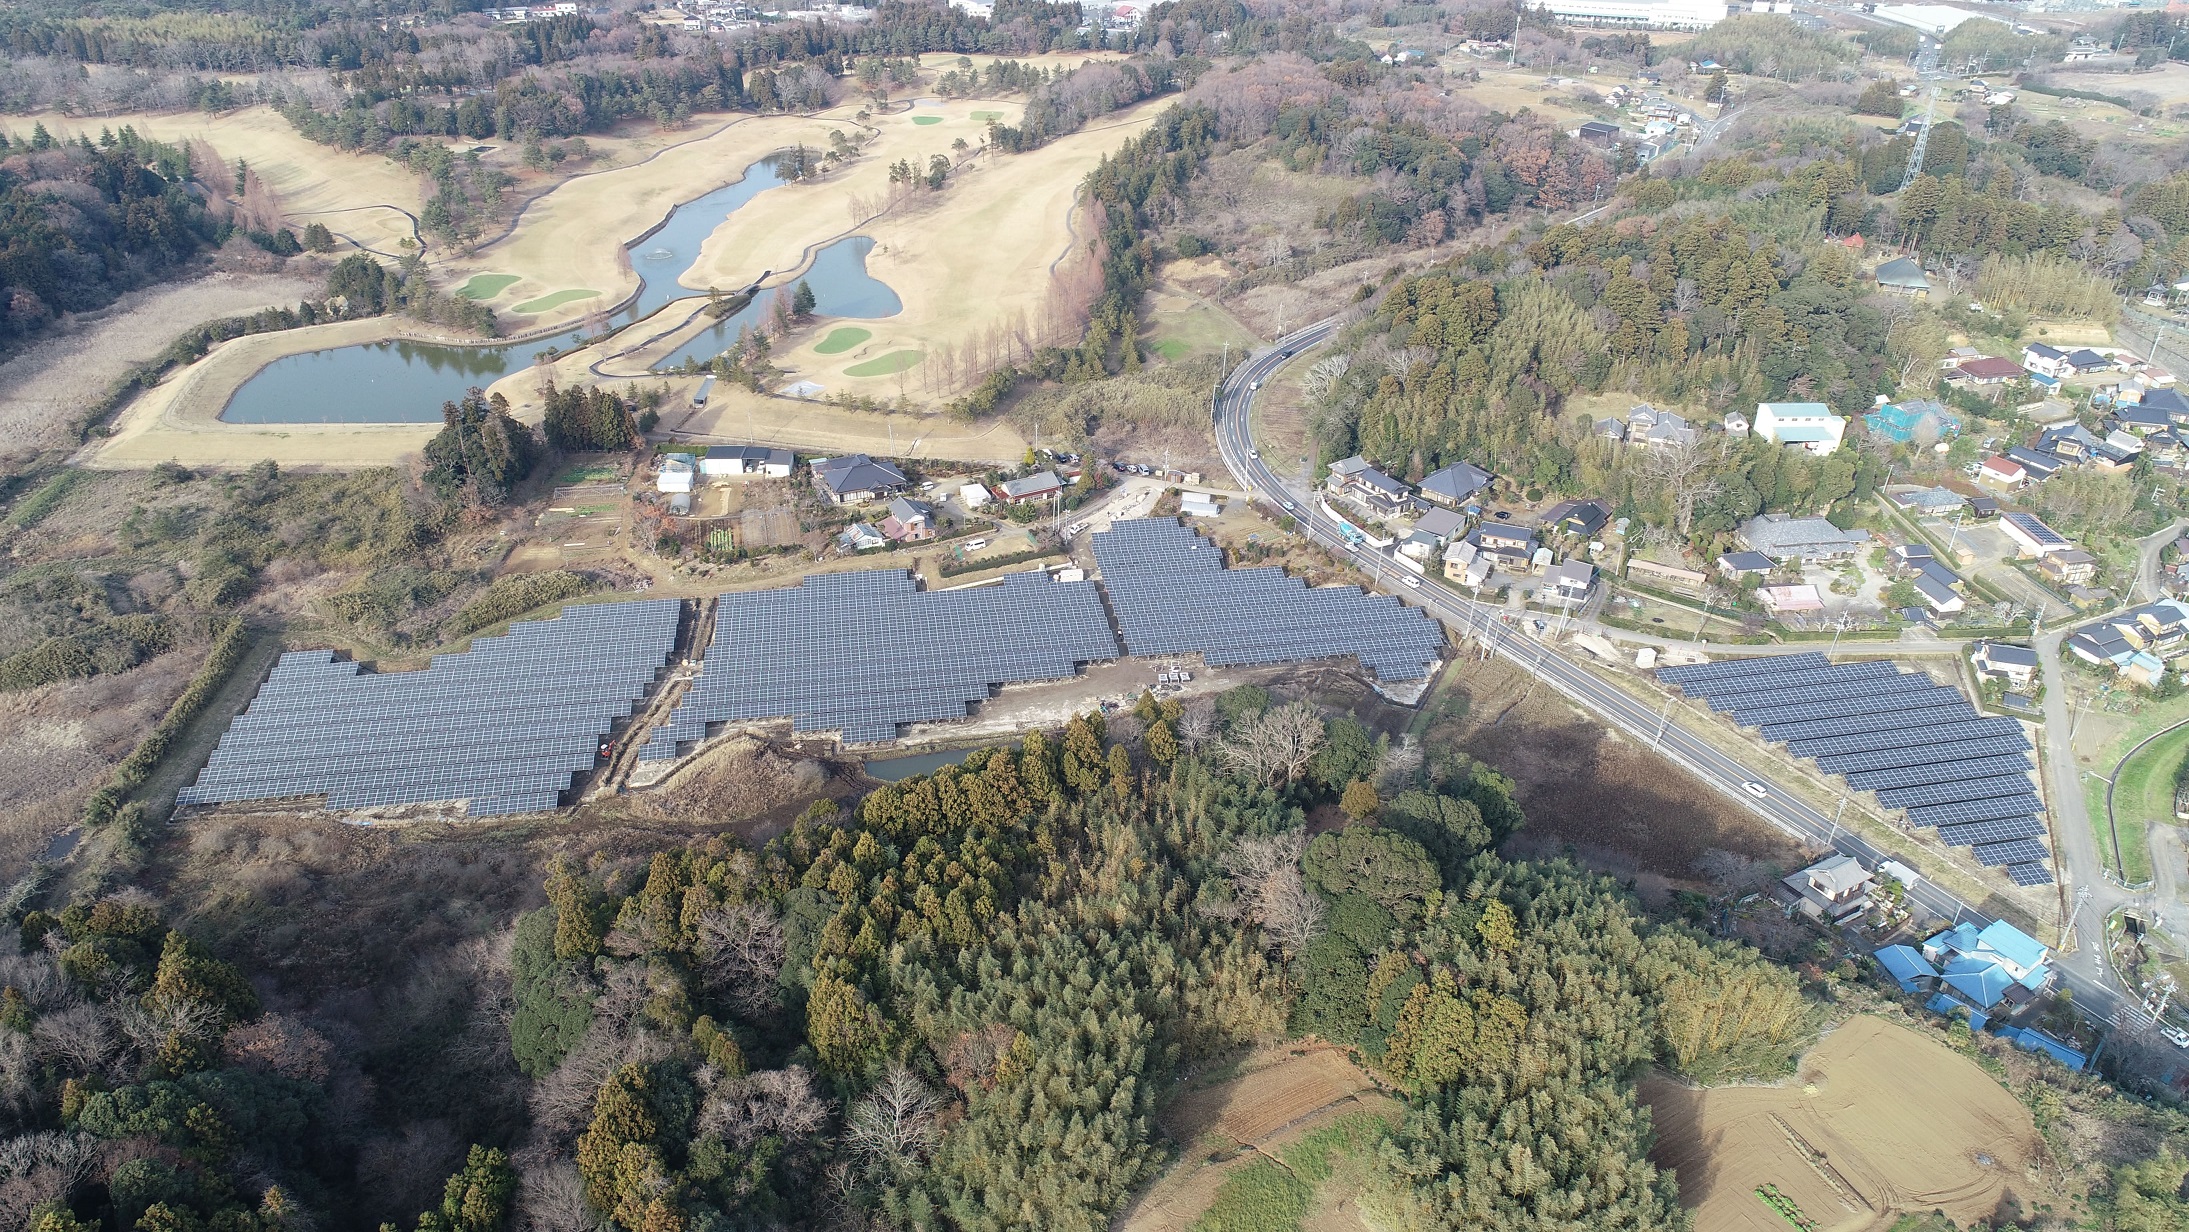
x: 406, y: 382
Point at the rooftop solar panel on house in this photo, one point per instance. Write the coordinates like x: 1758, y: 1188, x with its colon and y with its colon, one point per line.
x: 2029, y: 874
x: 2013, y: 851
x: 1173, y: 595
x: 502, y: 726
x: 864, y: 653
x: 1999, y: 830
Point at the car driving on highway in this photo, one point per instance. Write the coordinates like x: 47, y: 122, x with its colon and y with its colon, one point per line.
x: 1756, y: 789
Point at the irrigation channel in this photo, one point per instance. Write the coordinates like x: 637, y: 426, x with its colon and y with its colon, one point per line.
x: 406, y: 382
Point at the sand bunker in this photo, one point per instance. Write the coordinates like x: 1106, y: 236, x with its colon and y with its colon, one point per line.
x: 1880, y: 1120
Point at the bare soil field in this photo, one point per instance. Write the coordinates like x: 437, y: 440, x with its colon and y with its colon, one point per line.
x: 1285, y: 1093
x: 1614, y: 805
x: 46, y: 387
x: 1878, y: 1122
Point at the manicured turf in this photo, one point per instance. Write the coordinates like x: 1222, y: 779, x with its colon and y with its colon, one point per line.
x: 486, y: 286
x: 843, y: 339
x: 895, y: 361
x: 556, y: 300
x: 927, y: 119
x: 1171, y: 349
x: 985, y: 116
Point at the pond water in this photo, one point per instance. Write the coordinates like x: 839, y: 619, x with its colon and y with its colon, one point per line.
x: 406, y: 382
x: 892, y: 769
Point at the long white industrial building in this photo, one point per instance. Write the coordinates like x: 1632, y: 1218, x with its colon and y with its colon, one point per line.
x: 1660, y: 14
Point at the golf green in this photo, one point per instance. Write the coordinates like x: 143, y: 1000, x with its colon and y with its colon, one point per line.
x: 842, y: 340
x: 486, y: 286
x: 895, y: 361
x: 927, y: 119
x: 985, y: 116
x: 556, y: 300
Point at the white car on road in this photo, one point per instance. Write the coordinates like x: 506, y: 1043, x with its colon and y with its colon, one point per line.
x: 1757, y: 790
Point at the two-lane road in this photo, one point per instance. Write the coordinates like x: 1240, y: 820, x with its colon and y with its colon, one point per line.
x: 1657, y: 728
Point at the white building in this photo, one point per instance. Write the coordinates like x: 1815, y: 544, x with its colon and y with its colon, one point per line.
x: 675, y: 474
x: 975, y: 495
x: 1811, y: 425
x: 1662, y: 14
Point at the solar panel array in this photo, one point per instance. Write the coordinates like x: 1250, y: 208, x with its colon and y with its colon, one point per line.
x: 502, y: 726
x: 1173, y: 595
x: 1920, y: 746
x: 863, y: 653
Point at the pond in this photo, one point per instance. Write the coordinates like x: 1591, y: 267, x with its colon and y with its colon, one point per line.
x: 891, y: 770
x: 406, y: 382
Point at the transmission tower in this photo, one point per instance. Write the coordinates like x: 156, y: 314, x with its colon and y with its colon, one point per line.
x: 1926, y: 74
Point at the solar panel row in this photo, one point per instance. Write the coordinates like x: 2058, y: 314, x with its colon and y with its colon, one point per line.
x: 1919, y: 745
x: 864, y: 653
x: 1173, y: 595
x: 502, y: 726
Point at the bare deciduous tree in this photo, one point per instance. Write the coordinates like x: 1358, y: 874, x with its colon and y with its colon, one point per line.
x: 79, y: 1037
x: 741, y: 952
x: 551, y: 1198
x: 773, y: 1101
x: 1197, y: 724
x: 39, y: 1168
x: 1277, y: 745
x: 895, y: 1122
x: 1266, y: 873
x: 1686, y: 472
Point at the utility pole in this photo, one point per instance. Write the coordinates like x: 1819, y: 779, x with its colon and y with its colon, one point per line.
x: 1926, y: 73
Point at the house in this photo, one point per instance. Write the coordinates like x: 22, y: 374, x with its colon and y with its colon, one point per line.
x: 909, y: 521
x: 1605, y: 430
x: 2030, y: 534
x: 1833, y: 889
x: 1738, y: 565
x: 1905, y: 965
x: 726, y: 460
x: 1785, y: 600
x: 1439, y: 524
x: 1465, y: 564
x: 2142, y: 418
x: 1905, y: 422
x: 1568, y: 581
x: 1903, y: 276
x: 1938, y: 596
x: 2003, y: 472
x: 1597, y: 133
x: 1931, y: 502
x: 2049, y: 360
x: 1984, y: 507
x: 2073, y: 567
x: 2070, y: 441
x: 1659, y: 574
x: 1912, y: 556
x: 1985, y: 966
x: 2017, y: 665
x: 1988, y: 370
x: 675, y: 473
x: 2084, y: 360
x: 2036, y: 463
x: 855, y: 479
x: 2171, y: 401
x: 1577, y: 517
x: 1784, y: 537
x: 1510, y: 548
x: 1811, y: 425
x: 1027, y: 489
x: 1355, y: 480
x: 1646, y: 425
x: 1736, y: 424
x: 861, y: 537
x: 2101, y: 647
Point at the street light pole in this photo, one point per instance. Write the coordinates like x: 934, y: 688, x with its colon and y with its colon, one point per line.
x: 1664, y: 716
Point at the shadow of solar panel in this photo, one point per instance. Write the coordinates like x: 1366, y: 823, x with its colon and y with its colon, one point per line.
x: 865, y: 653
x: 1173, y: 595
x: 502, y: 726
x: 2001, y: 830
x: 2014, y: 851
x: 2029, y: 874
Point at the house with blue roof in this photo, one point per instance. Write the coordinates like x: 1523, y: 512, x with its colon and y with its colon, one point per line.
x: 1987, y: 966
x: 2032, y: 1040
x: 1904, y: 421
x: 1907, y: 967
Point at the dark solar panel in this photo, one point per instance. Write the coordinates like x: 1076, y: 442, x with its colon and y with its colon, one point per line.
x: 1792, y: 693
x: 1947, y: 793
x: 1958, y: 751
x: 502, y: 726
x: 1938, y: 772
x: 2013, y: 851
x: 2000, y: 830
x: 1920, y: 699
x: 1890, y: 732
x: 1946, y: 710
x: 2029, y: 874
x: 1173, y: 595
x: 1958, y: 811
x: 1733, y: 669
x: 1797, y: 675
x: 864, y: 653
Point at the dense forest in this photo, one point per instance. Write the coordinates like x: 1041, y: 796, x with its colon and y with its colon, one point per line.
x: 955, y: 1003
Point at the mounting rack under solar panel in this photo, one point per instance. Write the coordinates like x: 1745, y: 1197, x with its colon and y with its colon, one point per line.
x: 1795, y: 677
x: 1842, y: 707
x: 1889, y: 733
x: 1960, y: 751
x: 2029, y: 874
x: 1999, y: 830
x: 1760, y: 700
x: 1947, y: 793
x: 1849, y: 724
x: 1962, y: 811
x: 1944, y: 772
x: 2014, y: 851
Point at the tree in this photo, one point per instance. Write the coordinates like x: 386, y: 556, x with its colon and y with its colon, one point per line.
x: 1450, y: 829
x: 480, y: 454
x: 553, y: 998
x: 577, y: 923
x: 895, y: 1123
x: 803, y: 300
x: 1265, y: 872
x: 477, y: 1197
x: 1383, y: 864
x: 1360, y: 801
x: 1275, y: 746
x: 1161, y: 743
x: 1719, y: 89
x: 317, y: 238
x: 1880, y: 98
